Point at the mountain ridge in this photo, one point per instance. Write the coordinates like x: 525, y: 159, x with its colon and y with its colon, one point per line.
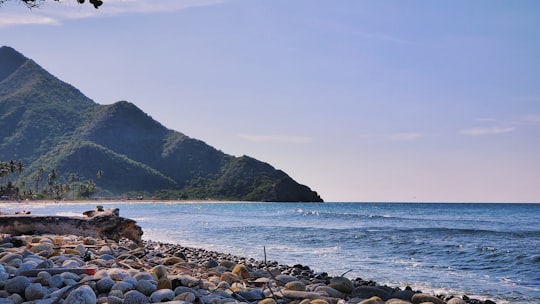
x: 50, y: 125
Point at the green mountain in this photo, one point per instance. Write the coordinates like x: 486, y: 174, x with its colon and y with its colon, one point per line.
x: 49, y: 125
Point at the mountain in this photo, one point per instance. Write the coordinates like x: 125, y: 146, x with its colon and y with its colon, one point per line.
x: 51, y: 126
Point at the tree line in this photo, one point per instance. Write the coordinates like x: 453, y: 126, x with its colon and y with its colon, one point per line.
x: 44, y: 184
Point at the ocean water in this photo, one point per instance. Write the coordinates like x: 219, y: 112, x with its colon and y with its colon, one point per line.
x: 486, y: 251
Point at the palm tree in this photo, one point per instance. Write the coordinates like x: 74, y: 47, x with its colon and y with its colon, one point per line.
x: 38, y: 178
x: 51, y: 178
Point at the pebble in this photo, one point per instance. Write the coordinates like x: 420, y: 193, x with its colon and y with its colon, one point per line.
x: 169, y: 273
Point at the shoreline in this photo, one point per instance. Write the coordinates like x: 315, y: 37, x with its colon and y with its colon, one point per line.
x: 149, y: 243
x: 182, y: 274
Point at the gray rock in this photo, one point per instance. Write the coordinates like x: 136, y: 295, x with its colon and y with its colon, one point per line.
x: 252, y: 295
x: 16, y: 298
x: 35, y: 291
x: 342, y: 284
x: 114, y: 300
x: 104, y: 285
x: 4, y: 275
x: 17, y: 284
x: 107, y: 257
x: 146, y: 287
x: 9, y: 257
x: 45, y: 264
x: 143, y: 276
x: 135, y: 297
x: 366, y: 292
x: 403, y: 295
x: 456, y: 301
x: 122, y: 286
x: 284, y: 279
x: 162, y: 295
x: 424, y: 297
x: 56, y: 281
x: 116, y: 293
x: 81, y: 295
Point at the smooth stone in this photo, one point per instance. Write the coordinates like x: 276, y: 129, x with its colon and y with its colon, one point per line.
x: 135, y: 297
x: 372, y: 300
x: 252, y: 295
x: 295, y: 285
x: 104, y: 285
x: 45, y: 264
x: 146, y: 287
x: 241, y: 271
x: 16, y: 298
x: 81, y: 249
x: 143, y: 276
x: 56, y: 281
x: 70, y: 276
x: 456, y: 301
x: 342, y: 284
x: 230, y: 277
x: 295, y: 294
x: 122, y: 286
x: 172, y: 260
x: 71, y: 264
x: 366, y: 292
x: 107, y: 257
x: 210, y: 264
x: 227, y: 264
x: 161, y: 295
x: 186, y: 297
x: 424, y: 297
x: 4, y: 275
x: 17, y: 284
x: 9, y: 257
x: 37, y: 248
x: 331, y: 292
x: 318, y: 301
x: 283, y: 279
x: 106, y: 250
x: 116, y: 293
x: 35, y: 291
x: 114, y: 300
x: 398, y: 301
x: 267, y: 301
x: 164, y: 283
x: 81, y: 295
x: 159, y: 271
x: 181, y: 289
x: 117, y: 274
x: 403, y: 294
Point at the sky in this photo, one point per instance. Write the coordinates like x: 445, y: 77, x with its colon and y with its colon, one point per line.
x: 368, y: 101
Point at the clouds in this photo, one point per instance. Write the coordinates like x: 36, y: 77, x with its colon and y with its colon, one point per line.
x: 487, y: 131
x: 499, y: 127
x: 13, y: 13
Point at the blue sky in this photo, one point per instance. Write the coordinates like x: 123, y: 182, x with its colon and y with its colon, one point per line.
x: 360, y: 100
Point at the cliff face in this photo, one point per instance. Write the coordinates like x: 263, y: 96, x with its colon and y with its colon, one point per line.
x: 49, y: 124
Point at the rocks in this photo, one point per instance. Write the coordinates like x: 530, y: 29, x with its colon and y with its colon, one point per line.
x: 123, y: 273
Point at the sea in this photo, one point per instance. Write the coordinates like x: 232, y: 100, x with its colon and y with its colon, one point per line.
x: 482, y: 250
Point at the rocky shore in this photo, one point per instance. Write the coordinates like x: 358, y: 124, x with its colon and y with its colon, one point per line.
x: 72, y: 269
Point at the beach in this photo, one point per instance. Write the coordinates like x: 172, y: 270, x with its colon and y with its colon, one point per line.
x: 73, y: 269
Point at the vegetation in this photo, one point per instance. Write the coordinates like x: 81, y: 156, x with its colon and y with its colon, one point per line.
x: 73, y: 147
x: 47, y: 185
